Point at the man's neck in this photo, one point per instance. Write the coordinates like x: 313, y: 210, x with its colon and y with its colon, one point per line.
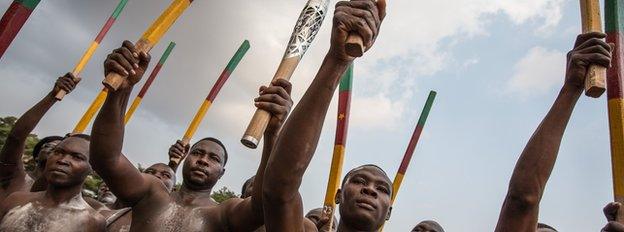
x: 343, y: 227
x: 61, y: 195
x: 193, y: 196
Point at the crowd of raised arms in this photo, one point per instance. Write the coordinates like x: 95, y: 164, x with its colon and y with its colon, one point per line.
x: 50, y: 197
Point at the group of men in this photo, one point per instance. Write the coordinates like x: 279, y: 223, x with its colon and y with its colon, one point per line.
x: 50, y: 199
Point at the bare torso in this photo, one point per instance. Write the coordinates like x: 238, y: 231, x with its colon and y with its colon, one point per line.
x: 17, y: 184
x: 29, y: 212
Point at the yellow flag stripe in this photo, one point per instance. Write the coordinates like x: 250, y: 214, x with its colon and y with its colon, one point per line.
x: 132, y: 109
x: 85, y: 58
x: 197, y: 119
x: 334, y: 175
x: 164, y: 22
x: 616, y: 128
x: 93, y: 108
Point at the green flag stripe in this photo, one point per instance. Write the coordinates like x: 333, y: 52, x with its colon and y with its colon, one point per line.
x: 165, y: 55
x: 238, y: 56
x: 425, y: 113
x: 614, y: 16
x: 119, y: 8
x: 347, y: 79
x: 30, y: 4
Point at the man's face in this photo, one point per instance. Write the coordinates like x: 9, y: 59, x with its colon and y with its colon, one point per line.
x: 105, y: 195
x: 68, y: 163
x: 164, y: 173
x: 315, y: 217
x: 365, y: 199
x: 45, y: 151
x: 203, y: 166
x: 426, y: 227
x: 248, y: 188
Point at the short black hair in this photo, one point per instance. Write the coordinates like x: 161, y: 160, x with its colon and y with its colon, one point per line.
x: 217, y: 142
x: 246, y: 184
x: 344, y: 180
x: 82, y: 136
x: 43, y: 141
x: 544, y: 226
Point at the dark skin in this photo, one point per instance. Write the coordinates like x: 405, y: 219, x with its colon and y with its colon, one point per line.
x: 190, y: 208
x: 161, y: 171
x: 364, y: 200
x: 178, y: 151
x: 61, y: 207
x: 427, y: 226
x: 521, y: 207
x: 13, y: 177
x: 315, y: 217
x: 611, y: 211
x: 40, y: 184
x: 283, y: 206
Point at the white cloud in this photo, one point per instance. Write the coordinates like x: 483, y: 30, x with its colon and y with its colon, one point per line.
x: 537, y: 72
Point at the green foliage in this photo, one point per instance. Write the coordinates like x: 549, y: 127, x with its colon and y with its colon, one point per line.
x: 6, y: 124
x: 92, y: 183
x: 223, y: 194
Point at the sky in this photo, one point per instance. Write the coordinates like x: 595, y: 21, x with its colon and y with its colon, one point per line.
x: 497, y: 66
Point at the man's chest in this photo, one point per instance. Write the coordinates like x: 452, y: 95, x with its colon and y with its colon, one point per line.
x: 31, y: 217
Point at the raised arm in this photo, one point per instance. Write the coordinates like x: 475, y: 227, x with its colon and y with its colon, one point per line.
x: 298, y: 140
x: 248, y: 214
x: 13, y: 149
x: 521, y: 207
x: 124, y: 180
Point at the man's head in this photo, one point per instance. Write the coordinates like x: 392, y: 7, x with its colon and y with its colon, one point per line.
x: 68, y: 163
x: 205, y: 164
x: 541, y: 227
x: 365, y: 198
x: 315, y: 216
x: 164, y: 173
x: 428, y: 226
x: 43, y: 148
x: 104, y: 194
x: 247, y: 189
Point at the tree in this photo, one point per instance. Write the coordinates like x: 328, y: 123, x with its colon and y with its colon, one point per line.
x: 223, y: 194
x: 6, y: 124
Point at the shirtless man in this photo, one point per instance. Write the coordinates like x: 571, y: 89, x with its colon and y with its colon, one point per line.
x: 13, y: 177
x: 428, y: 226
x: 61, y: 207
x: 315, y: 216
x: 247, y: 188
x: 190, y: 208
x: 521, y: 207
x: 365, y: 196
x: 40, y: 154
x: 610, y: 211
x: 119, y: 217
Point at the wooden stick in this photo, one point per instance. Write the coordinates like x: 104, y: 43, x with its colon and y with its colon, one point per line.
x: 307, y: 27
x: 151, y: 37
x: 596, y: 74
x: 95, y: 44
x: 614, y: 22
x: 407, y: 157
x: 13, y: 20
x: 137, y: 101
x: 93, y: 108
x: 340, y: 143
x: 355, y: 44
x: 201, y: 112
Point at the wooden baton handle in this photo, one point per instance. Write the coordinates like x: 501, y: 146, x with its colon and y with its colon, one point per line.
x: 60, y: 95
x: 175, y: 162
x: 355, y: 45
x: 113, y: 80
x: 595, y: 81
x: 260, y: 119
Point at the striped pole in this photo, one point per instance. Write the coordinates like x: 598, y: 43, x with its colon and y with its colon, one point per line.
x: 342, y: 125
x: 398, y: 179
x: 614, y: 22
x: 95, y: 44
x: 151, y: 37
x: 591, y: 22
x: 93, y: 108
x: 148, y: 83
x: 231, y: 66
x: 13, y: 20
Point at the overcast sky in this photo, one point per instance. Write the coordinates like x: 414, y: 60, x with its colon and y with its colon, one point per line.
x: 496, y: 65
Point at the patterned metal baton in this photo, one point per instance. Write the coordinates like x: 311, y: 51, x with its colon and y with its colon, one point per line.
x: 307, y: 27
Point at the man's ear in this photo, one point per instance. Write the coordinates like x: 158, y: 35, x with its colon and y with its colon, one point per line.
x: 389, y: 213
x: 338, y: 197
x: 222, y: 172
